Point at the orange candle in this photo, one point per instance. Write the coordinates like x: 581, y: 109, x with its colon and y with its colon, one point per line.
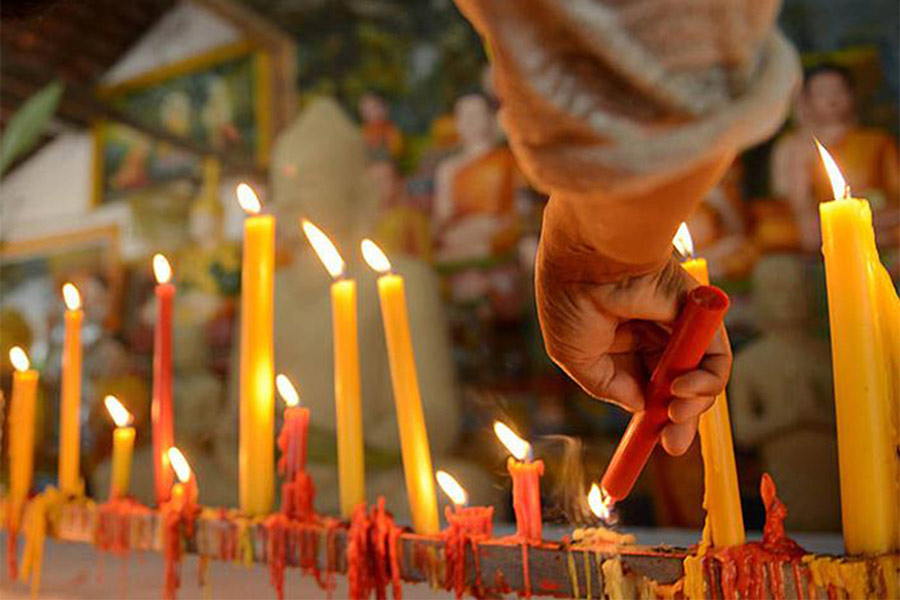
x: 410, y: 418
x: 21, y: 427
x: 297, y: 490
x: 185, y: 490
x: 347, y: 403
x: 123, y: 448
x: 526, y: 476
x: 161, y: 409
x: 861, y: 308
x: 257, y: 376
x: 69, y: 476
x: 722, y: 497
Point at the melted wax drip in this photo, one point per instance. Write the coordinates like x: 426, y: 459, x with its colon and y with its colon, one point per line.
x: 466, y: 527
x: 743, y: 569
x: 372, y: 553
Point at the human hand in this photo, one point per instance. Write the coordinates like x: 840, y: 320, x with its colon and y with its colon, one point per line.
x: 608, y: 337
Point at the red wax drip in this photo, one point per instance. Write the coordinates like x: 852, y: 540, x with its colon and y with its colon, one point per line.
x: 743, y: 568
x: 113, y: 533
x: 161, y: 411
x: 373, y: 561
x: 466, y: 525
x: 172, y: 551
x: 526, y: 489
x: 276, y: 551
x: 701, y: 317
x: 298, y: 491
x: 12, y: 543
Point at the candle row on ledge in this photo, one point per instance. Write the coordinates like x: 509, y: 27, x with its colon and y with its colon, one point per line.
x: 863, y: 308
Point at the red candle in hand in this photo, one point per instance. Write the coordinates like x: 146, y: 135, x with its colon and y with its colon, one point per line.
x: 161, y: 407
x: 526, y: 476
x: 297, y: 491
x: 694, y: 330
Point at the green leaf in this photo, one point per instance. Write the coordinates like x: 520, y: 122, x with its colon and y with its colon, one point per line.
x: 25, y: 128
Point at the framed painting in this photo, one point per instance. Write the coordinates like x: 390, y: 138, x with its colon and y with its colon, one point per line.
x: 219, y: 100
x: 32, y: 273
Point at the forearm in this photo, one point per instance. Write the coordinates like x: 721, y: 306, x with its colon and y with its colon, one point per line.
x: 625, y: 124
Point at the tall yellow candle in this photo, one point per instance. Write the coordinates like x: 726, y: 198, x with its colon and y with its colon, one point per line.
x: 410, y: 418
x: 348, y: 409
x: 722, y: 497
x: 21, y: 426
x: 69, y: 477
x: 123, y: 448
x: 257, y: 375
x: 863, y: 394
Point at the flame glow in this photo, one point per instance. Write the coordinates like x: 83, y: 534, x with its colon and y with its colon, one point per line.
x: 19, y: 359
x: 324, y: 248
x: 600, y: 503
x: 120, y: 415
x: 248, y: 199
x: 162, y: 269
x: 71, y: 296
x: 839, y: 186
x: 451, y: 487
x: 375, y: 256
x: 516, y: 445
x: 287, y: 390
x: 179, y: 464
x: 683, y: 241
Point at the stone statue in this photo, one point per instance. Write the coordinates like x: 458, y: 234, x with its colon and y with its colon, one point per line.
x: 868, y: 157
x: 781, y: 396
x: 319, y: 172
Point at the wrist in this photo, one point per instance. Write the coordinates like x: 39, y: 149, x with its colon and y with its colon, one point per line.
x: 574, y: 246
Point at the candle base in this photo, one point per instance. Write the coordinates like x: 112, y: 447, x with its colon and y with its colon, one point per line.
x: 297, y: 497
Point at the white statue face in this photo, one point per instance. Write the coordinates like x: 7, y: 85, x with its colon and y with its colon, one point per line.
x: 829, y: 98
x: 474, y: 120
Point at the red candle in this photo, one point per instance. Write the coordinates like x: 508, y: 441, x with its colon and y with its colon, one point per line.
x: 472, y: 521
x: 692, y: 333
x: 297, y: 491
x: 161, y: 407
x: 526, y: 475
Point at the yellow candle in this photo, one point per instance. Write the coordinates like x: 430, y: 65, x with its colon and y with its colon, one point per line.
x: 21, y: 426
x: 123, y: 448
x: 69, y: 479
x: 348, y: 410
x: 722, y: 497
x: 257, y: 376
x: 863, y: 394
x: 410, y: 418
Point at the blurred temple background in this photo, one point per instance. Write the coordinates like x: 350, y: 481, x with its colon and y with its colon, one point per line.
x: 377, y: 118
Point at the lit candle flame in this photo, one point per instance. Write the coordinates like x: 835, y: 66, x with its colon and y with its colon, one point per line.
x: 839, y: 186
x: 451, y: 487
x: 120, y: 415
x: 19, y: 359
x: 162, y: 269
x: 71, y: 296
x: 600, y: 502
x: 248, y: 199
x: 516, y: 445
x: 375, y: 256
x: 324, y: 248
x: 287, y: 390
x: 683, y: 241
x: 179, y: 464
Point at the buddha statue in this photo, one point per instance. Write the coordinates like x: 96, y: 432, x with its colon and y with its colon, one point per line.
x: 868, y: 157
x: 781, y: 396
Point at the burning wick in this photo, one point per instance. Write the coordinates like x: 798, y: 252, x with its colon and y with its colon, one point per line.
x: 601, y: 504
x: 518, y: 447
